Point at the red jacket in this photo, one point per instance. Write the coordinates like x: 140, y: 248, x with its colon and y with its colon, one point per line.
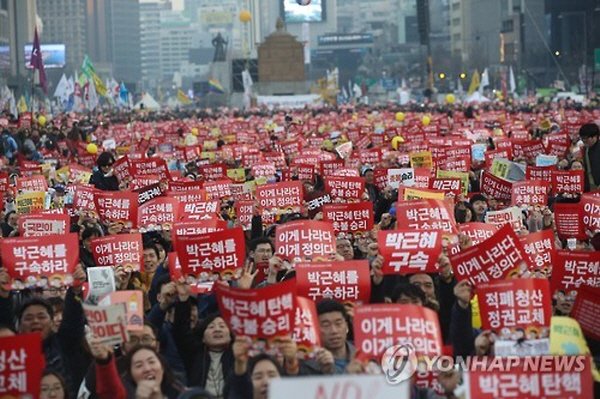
x: 108, y: 381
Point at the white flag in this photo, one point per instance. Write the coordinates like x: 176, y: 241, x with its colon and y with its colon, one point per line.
x: 511, y: 81
x: 62, y: 89
x: 247, y: 81
x: 92, y: 100
x: 485, y: 80
x: 13, y: 104
x: 77, y: 93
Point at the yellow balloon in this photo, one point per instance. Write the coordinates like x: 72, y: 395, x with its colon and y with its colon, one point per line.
x: 245, y: 16
x: 42, y: 120
x: 195, y: 131
x: 92, y: 148
x: 397, y: 141
x: 400, y: 116
x: 450, y: 98
x: 426, y: 120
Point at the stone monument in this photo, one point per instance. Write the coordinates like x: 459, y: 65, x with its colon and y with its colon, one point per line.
x: 281, y: 64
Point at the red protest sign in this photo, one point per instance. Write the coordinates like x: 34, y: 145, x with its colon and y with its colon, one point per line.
x: 21, y: 364
x: 40, y: 261
x: 516, y: 304
x: 191, y: 228
x: 117, y: 207
x: 505, y: 153
x: 32, y: 184
x: 540, y: 248
x: 244, y: 210
x: 448, y: 186
x: 574, y: 269
x: 213, y: 172
x: 553, y: 377
x: 186, y: 186
x: 349, y: 218
x: 185, y: 197
x: 305, y: 239
x: 43, y: 224
x: 220, y: 252
x: 149, y: 166
x: 455, y: 164
x: 409, y: 251
x: 568, y: 219
x: 328, y: 168
x: 586, y: 310
x: 159, y: 213
x: 307, y: 333
x: 121, y: 169
x: 260, y: 313
x: 119, y: 250
x: 347, y: 281
x: 378, y: 327
x: 199, y: 210
x: 426, y: 214
x: 83, y: 198
x: 345, y: 187
x: 493, y: 259
x: 280, y: 196
x: 539, y: 172
x: 567, y: 182
x: 591, y: 212
x: 263, y: 169
x: 477, y: 231
x: 530, y: 192
x: 218, y: 189
x: 495, y: 187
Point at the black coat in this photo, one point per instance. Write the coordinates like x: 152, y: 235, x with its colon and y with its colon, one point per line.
x: 101, y: 182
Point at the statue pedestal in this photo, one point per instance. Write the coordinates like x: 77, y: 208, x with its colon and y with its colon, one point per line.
x: 221, y: 72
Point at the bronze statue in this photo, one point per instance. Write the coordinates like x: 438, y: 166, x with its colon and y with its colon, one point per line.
x: 220, y: 46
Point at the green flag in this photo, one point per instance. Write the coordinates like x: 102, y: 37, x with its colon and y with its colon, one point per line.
x: 88, y: 69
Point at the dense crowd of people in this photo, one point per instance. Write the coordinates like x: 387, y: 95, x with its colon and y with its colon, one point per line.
x: 187, y: 347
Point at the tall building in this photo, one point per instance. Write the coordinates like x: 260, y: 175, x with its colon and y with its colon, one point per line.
x: 175, y: 41
x: 64, y: 22
x: 18, y: 31
x: 149, y: 39
x: 113, y: 37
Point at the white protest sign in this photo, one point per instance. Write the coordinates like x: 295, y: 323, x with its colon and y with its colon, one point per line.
x: 101, y: 281
x: 338, y: 387
x: 546, y: 160
x: 510, y: 215
x: 405, y: 176
x: 108, y: 323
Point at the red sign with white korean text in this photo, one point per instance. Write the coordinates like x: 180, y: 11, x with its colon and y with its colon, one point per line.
x: 455, y: 164
x: 149, y: 166
x: 117, y: 207
x: 244, y: 210
x: 305, y: 240
x: 530, y: 192
x: 378, y: 327
x: 41, y: 224
x: 544, y: 377
x: 574, y: 269
x: 280, y: 196
x: 477, y: 231
x: 494, y: 259
x: 448, y: 186
x: 40, y: 261
x: 347, y: 281
x: 523, y: 303
x: 307, y: 333
x: 120, y: 169
x: 567, y: 181
x: 213, y: 172
x: 539, y: 172
x: 528, y: 148
x: 185, y: 186
x: 495, y: 187
x: 259, y: 313
x: 568, y: 219
x: 84, y: 198
x: 540, y: 248
x: 204, y: 226
x: 329, y: 167
x: 590, y: 206
x: 349, y: 218
x: 345, y: 187
x: 159, y: 213
x: 426, y: 214
x: 219, y: 252
x: 505, y: 153
x: 21, y: 364
x: 586, y: 310
x: 218, y: 189
x: 263, y: 169
x: 116, y: 250
x: 409, y: 251
x: 190, y: 196
x: 199, y: 210
x: 32, y: 184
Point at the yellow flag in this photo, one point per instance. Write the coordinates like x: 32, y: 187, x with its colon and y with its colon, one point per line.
x: 183, y: 98
x: 474, y: 82
x: 22, y: 105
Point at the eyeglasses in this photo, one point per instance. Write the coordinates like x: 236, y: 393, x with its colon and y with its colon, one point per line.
x: 145, y: 340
